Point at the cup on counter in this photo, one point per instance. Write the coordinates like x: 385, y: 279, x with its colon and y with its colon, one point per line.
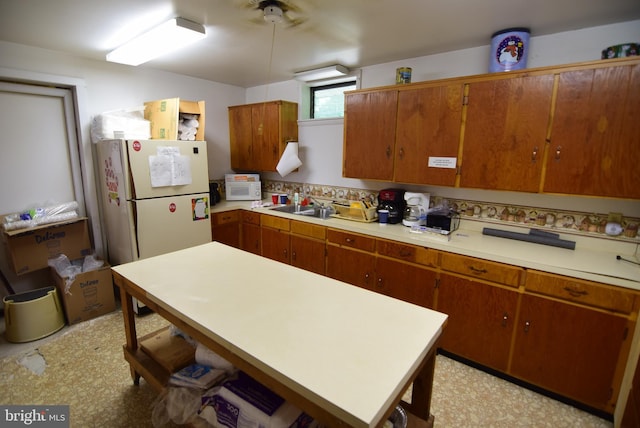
x: 383, y: 216
x: 283, y: 199
x: 275, y: 198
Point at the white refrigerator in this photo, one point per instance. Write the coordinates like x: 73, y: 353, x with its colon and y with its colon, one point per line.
x: 155, y: 196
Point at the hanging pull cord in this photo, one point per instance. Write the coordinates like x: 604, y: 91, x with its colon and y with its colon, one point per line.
x: 266, y: 90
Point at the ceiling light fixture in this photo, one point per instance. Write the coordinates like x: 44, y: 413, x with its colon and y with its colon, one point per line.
x: 170, y: 36
x: 322, y: 73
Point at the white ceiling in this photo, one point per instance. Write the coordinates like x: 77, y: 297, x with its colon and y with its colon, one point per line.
x: 354, y: 33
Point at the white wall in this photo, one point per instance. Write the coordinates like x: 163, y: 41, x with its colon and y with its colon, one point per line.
x: 321, y: 141
x: 112, y: 86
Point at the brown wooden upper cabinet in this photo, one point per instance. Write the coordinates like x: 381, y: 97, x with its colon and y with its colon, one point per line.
x: 369, y: 134
x: 258, y: 134
x: 595, y: 143
x: 505, y: 133
x: 564, y: 129
x: 428, y: 129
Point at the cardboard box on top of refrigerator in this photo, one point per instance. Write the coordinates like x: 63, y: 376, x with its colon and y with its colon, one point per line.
x: 89, y: 295
x: 164, y: 116
x: 30, y: 249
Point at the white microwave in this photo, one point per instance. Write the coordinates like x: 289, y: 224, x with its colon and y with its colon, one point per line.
x: 242, y: 187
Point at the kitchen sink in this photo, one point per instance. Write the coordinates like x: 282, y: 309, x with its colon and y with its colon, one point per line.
x: 309, y: 210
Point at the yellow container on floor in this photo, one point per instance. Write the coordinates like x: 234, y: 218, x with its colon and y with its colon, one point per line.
x: 32, y: 315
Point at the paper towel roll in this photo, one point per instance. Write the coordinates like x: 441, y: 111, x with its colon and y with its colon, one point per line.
x: 289, y: 160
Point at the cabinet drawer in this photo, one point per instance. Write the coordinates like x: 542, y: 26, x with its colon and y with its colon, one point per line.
x: 225, y: 217
x: 353, y: 240
x: 275, y: 222
x: 406, y: 252
x: 576, y: 290
x: 490, y: 271
x: 250, y: 217
x: 309, y: 229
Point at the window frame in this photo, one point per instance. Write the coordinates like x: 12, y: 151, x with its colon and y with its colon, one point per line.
x: 329, y: 85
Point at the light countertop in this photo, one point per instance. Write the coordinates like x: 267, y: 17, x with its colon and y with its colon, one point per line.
x: 336, y: 345
x: 593, y: 259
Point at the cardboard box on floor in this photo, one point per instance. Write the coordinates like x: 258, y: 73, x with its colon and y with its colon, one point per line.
x: 88, y: 296
x: 164, y: 116
x: 30, y: 249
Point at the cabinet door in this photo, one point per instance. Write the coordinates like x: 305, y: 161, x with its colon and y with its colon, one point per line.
x: 350, y: 266
x: 369, y: 134
x: 266, y: 131
x: 308, y: 254
x: 505, y: 133
x: 227, y: 233
x: 240, y: 137
x: 429, y: 123
x: 251, y: 239
x: 568, y: 349
x: 275, y: 245
x: 481, y: 320
x: 225, y: 228
x: 404, y: 281
x: 595, y: 142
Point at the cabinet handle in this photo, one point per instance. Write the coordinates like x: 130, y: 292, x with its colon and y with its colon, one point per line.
x: 285, y: 252
x: 527, y: 324
x: 476, y: 270
x: 505, y: 318
x: 575, y: 293
x: 534, y: 154
x: 380, y: 283
x: 388, y: 152
x: 558, y: 150
x: 401, y: 153
x: 293, y: 255
x: 349, y: 240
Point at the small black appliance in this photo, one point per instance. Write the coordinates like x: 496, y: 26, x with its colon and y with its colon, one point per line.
x: 392, y: 200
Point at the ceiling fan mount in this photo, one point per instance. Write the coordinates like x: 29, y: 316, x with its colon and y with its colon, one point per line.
x: 277, y: 11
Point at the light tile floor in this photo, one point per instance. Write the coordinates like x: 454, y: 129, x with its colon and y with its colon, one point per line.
x: 83, y: 366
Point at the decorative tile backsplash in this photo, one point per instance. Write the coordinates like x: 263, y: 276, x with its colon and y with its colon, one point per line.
x: 579, y: 223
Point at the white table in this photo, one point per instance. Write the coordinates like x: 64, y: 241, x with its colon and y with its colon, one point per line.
x: 343, y: 354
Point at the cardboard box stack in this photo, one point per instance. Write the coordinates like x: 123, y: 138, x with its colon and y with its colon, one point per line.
x: 30, y: 249
x: 172, y: 119
x: 86, y: 295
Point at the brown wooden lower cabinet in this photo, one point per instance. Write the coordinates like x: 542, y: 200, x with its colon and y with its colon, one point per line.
x: 308, y: 254
x: 631, y: 414
x: 481, y: 319
x: 569, y: 349
x: 404, y: 281
x: 275, y: 245
x: 225, y: 227
x: 351, y: 266
x: 250, y: 232
x: 565, y: 335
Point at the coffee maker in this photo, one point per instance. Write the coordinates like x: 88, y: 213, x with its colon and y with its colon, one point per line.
x: 392, y: 200
x: 415, y: 212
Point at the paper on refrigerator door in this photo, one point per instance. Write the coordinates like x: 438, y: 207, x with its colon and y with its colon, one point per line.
x: 169, y: 168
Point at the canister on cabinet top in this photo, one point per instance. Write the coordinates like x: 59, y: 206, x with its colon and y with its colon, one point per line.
x: 403, y: 75
x: 509, y: 49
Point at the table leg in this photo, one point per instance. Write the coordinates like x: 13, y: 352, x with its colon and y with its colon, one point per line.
x: 129, y: 328
x: 422, y: 389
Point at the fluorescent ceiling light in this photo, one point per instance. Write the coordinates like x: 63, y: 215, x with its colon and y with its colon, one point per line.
x: 322, y: 73
x: 170, y: 36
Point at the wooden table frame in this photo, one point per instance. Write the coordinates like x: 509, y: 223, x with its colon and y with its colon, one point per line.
x: 142, y: 365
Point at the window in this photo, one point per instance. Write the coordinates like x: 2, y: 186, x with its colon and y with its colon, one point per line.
x: 327, y: 101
